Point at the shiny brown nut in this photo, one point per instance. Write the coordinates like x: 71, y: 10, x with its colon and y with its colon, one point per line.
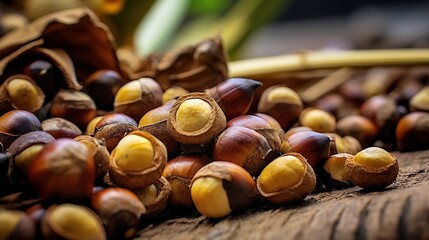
x: 137, y: 161
x: 234, y: 95
x: 102, y: 86
x: 179, y: 171
x: 195, y: 118
x: 120, y: 211
x: 16, y: 123
x: 60, y: 167
x: 219, y: 188
x: 60, y: 128
x: 46, y: 75
x: 412, y: 132
x: 359, y: 127
x: 298, y: 179
x: 273, y: 123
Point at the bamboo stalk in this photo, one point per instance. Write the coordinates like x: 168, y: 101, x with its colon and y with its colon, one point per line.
x: 327, y: 59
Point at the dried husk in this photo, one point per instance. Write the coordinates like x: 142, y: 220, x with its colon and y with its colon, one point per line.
x: 141, y: 179
x: 156, y: 207
x: 372, y: 178
x: 215, y: 125
x: 295, y: 193
x: 100, y: 154
x: 194, y: 68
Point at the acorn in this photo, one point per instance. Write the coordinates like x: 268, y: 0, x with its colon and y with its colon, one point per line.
x: 120, y: 211
x: 70, y: 221
x: 20, y: 92
x: 16, y: 225
x: 282, y: 103
x: 372, y: 168
x: 60, y: 128
x: 61, y: 166
x: 359, y: 127
x: 244, y: 147
x: 75, y: 106
x: 220, y: 188
x: 234, y: 95
x: 137, y: 161
x: 287, y: 179
x: 314, y: 146
x: 333, y: 173
x: 16, y: 123
x: 179, y: 172
x: 137, y: 97
x: 113, y: 127
x: 195, y: 118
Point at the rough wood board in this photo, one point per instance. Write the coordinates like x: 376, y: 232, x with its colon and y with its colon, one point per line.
x: 401, y: 211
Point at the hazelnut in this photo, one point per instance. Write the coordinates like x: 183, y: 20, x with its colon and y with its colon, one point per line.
x: 333, y: 173
x: 138, y: 160
x: 195, y: 118
x: 60, y: 128
x: 359, y: 127
x: 120, y: 211
x: 137, y: 97
x: 90, y: 128
x: 15, y: 123
x: 273, y: 123
x: 318, y: 120
x: 282, y: 103
x: 69, y: 221
x: 16, y: 225
x: 219, y: 188
x: 372, y: 168
x: 179, y: 171
x: 412, y: 132
x: 173, y: 93
x: 234, y: 95
x: 46, y: 75
x: 100, y: 154
x: 60, y: 167
x: 287, y: 179
x: 102, y: 86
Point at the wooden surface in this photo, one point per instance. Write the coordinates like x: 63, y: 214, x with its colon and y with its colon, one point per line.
x: 401, y: 211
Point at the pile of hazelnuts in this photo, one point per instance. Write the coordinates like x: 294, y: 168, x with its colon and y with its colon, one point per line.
x: 98, y: 162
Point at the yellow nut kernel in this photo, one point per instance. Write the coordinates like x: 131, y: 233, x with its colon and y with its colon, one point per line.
x: 148, y: 194
x: 8, y: 222
x: 282, y: 173
x: 76, y: 220
x: 318, y: 120
x: 152, y: 117
x: 90, y: 128
x: 129, y: 92
x: 173, y: 93
x: 23, y: 159
x: 373, y: 157
x: 283, y: 95
x: 133, y: 154
x: 23, y: 94
x: 210, y: 198
x: 335, y: 167
x: 193, y: 114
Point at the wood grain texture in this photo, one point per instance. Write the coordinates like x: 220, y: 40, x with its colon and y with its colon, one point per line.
x: 400, y: 211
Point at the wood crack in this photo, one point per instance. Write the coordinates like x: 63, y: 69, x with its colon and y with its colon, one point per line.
x: 360, y: 233
x: 335, y: 224
x: 402, y: 228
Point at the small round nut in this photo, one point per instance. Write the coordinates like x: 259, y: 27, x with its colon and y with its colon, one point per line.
x: 372, y: 168
x: 288, y: 178
x: 318, y: 120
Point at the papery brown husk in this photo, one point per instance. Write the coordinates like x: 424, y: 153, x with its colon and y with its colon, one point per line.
x: 372, y: 178
x: 141, y: 179
x: 112, y: 133
x: 60, y: 128
x: 78, y: 32
x: 99, y: 150
x: 195, y: 67
x: 5, y: 101
x: 214, y: 126
x: 296, y: 192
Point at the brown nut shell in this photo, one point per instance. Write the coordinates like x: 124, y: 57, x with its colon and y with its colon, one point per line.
x: 140, y: 179
x: 16, y: 123
x: 215, y: 124
x: 244, y: 147
x: 179, y: 171
x: 371, y: 177
x: 60, y: 128
x: 359, y: 127
x: 412, y: 132
x: 100, y: 154
x: 296, y: 192
x: 155, y: 206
